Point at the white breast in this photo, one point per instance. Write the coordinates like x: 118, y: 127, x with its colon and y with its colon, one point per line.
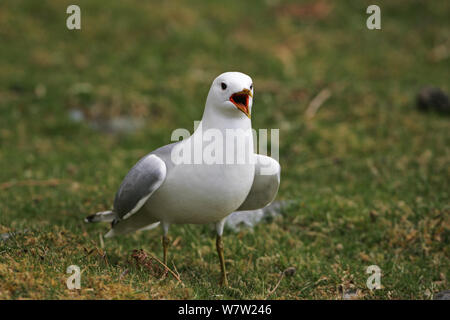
x: 201, y: 193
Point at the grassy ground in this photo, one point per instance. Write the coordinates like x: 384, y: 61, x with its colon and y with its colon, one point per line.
x: 369, y: 174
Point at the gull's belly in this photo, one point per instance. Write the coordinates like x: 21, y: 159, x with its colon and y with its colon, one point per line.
x: 201, y: 193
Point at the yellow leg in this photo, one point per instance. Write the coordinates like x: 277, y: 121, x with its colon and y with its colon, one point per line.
x: 165, y: 242
x: 219, y: 246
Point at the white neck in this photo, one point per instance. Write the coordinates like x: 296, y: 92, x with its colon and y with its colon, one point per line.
x: 214, y: 118
x: 223, y: 121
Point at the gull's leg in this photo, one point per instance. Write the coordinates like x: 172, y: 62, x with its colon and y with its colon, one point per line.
x: 165, y: 240
x: 219, y: 246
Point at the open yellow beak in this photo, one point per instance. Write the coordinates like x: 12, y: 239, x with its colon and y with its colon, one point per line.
x: 241, y: 100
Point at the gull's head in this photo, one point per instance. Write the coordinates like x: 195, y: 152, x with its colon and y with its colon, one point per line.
x: 232, y: 93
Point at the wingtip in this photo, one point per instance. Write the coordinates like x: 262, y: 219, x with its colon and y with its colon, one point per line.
x: 89, y: 219
x: 102, y: 216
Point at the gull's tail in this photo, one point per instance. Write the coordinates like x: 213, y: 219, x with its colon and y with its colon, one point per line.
x: 102, y: 216
x: 116, y: 230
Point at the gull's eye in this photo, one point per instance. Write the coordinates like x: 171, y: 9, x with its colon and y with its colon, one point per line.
x: 251, y: 86
x: 223, y: 85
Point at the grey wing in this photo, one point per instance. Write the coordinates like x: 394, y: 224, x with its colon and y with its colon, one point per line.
x: 139, y: 184
x: 265, y: 184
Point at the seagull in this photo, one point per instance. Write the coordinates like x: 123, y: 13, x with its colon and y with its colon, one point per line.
x: 173, y: 185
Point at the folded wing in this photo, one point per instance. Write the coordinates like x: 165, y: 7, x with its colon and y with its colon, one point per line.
x: 265, y: 184
x: 138, y: 186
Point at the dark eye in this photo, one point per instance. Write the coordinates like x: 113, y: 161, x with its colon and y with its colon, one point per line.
x: 224, y: 86
x: 251, y: 86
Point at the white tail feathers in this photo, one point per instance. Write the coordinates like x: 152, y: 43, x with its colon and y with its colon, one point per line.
x: 110, y: 234
x: 150, y: 226
x: 118, y: 231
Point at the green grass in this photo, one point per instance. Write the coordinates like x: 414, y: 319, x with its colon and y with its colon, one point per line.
x: 369, y: 173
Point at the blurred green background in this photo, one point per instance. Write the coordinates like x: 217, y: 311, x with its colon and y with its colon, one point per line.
x: 368, y: 173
